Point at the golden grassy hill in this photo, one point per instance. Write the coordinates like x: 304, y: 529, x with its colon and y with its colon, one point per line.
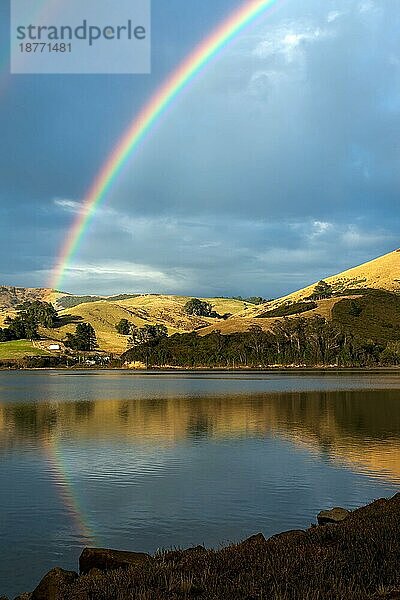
x: 381, y: 273
x: 245, y: 319
x: 103, y: 314
x: 148, y: 309
x: 12, y: 296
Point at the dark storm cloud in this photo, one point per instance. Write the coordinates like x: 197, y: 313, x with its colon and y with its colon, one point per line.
x: 279, y: 166
x: 201, y: 256
x: 303, y: 121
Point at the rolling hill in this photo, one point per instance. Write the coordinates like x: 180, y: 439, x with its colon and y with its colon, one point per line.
x: 10, y: 296
x: 382, y: 273
x: 103, y: 312
x: 380, y: 310
x: 366, y: 300
x: 140, y: 310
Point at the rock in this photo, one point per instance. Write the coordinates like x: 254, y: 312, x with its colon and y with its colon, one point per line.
x: 50, y: 586
x: 25, y: 596
x: 288, y: 536
x: 335, y: 515
x: 108, y: 560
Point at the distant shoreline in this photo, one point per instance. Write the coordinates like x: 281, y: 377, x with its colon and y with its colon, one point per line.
x: 163, y: 370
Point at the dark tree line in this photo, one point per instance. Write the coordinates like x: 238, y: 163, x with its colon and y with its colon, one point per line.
x: 249, y: 299
x: 297, y: 341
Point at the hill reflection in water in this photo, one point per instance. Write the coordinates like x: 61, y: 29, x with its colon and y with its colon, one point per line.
x: 359, y: 428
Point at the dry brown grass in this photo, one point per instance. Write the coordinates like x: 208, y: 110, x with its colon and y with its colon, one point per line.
x: 357, y: 559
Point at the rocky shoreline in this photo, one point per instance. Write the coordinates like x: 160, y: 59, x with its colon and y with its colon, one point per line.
x: 347, y: 556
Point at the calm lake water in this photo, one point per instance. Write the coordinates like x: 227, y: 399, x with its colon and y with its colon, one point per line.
x: 141, y: 461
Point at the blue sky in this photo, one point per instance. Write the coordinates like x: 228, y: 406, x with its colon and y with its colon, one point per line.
x: 279, y: 166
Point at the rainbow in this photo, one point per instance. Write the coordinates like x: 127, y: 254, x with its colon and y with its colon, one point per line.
x: 65, y: 488
x: 146, y: 119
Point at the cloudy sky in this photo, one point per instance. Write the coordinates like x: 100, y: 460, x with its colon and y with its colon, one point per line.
x: 277, y: 167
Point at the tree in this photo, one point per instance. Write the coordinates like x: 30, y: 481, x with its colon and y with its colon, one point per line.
x: 198, y: 308
x: 17, y: 328
x: 256, y: 338
x: 391, y: 355
x: 6, y: 335
x: 123, y: 327
x: 31, y: 332
x: 42, y: 313
x: 302, y: 341
x: 23, y: 326
x: 84, y: 338
x: 322, y: 290
x: 255, y: 300
x: 145, y: 339
x: 30, y: 315
x: 146, y: 334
